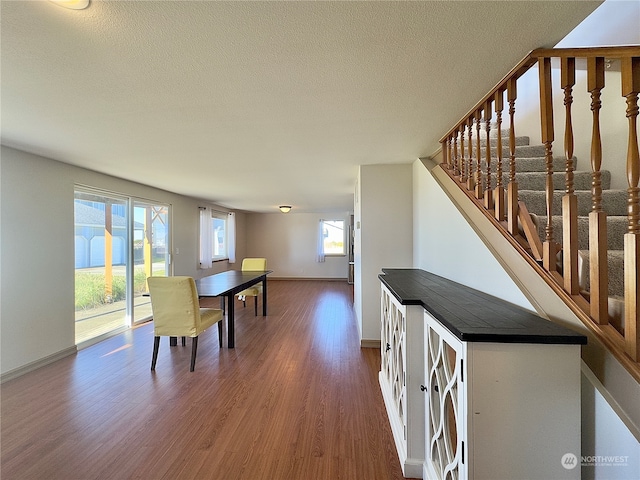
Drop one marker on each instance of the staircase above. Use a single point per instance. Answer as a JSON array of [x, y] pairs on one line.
[[559, 212], [531, 178]]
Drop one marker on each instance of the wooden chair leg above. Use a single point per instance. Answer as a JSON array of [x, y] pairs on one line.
[[194, 349], [255, 304], [173, 341], [220, 333], [154, 357], [184, 341]]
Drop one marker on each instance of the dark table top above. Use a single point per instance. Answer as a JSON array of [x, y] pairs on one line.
[[229, 282], [471, 315]]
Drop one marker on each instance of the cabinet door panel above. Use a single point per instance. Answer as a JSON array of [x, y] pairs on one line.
[[444, 402]]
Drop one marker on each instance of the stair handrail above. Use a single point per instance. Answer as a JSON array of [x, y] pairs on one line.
[[504, 205]]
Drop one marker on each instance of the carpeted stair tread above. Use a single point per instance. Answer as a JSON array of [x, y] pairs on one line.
[[614, 202], [537, 180], [493, 140], [522, 151], [616, 228], [532, 164], [615, 262]]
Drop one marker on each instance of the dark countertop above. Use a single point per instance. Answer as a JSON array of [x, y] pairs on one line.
[[471, 315]]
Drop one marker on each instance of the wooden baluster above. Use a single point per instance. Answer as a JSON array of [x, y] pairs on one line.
[[454, 170], [488, 192], [458, 155], [471, 183], [450, 156], [453, 155], [598, 269], [569, 200], [512, 186], [630, 90], [499, 191], [444, 147], [463, 162], [546, 117], [479, 189]]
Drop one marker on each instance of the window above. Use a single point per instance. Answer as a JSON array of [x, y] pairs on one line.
[[219, 235], [333, 237]]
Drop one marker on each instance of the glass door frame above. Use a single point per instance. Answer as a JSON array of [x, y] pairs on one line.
[[130, 202], [140, 202]]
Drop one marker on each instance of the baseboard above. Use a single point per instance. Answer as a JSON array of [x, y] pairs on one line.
[[370, 344], [319, 279], [29, 367]]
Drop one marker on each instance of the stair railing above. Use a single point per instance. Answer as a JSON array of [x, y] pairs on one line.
[[560, 262]]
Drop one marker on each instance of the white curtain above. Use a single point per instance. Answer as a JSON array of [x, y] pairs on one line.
[[206, 240], [321, 241], [231, 237]]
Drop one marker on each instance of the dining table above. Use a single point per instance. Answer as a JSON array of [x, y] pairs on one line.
[[228, 284]]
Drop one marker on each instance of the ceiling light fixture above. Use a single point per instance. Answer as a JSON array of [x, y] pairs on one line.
[[285, 208], [72, 4]]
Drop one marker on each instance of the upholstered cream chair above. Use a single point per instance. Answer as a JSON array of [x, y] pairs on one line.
[[255, 265], [177, 313]]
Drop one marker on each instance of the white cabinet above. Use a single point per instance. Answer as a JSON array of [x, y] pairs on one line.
[[474, 387], [500, 410], [402, 365]]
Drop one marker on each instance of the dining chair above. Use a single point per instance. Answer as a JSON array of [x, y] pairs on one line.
[[256, 265], [177, 313]]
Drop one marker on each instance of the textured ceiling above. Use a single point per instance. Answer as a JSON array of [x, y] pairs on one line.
[[255, 104]]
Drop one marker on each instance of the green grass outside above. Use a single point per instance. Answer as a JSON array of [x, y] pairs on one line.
[[90, 288]]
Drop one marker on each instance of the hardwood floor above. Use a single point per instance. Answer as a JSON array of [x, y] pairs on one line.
[[296, 399]]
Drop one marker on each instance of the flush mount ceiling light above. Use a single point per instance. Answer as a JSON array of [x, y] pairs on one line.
[[72, 4], [285, 208]]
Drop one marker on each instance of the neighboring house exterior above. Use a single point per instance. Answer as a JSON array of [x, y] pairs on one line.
[[89, 234]]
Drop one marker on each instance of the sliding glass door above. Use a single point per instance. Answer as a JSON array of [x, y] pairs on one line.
[[119, 242], [150, 252], [101, 261]]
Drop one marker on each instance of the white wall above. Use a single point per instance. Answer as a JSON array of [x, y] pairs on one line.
[[37, 278], [37, 251], [383, 237], [289, 243], [609, 450], [445, 244]]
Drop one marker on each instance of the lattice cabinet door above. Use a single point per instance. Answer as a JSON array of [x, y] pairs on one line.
[[444, 403], [393, 359], [401, 374], [499, 410]]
